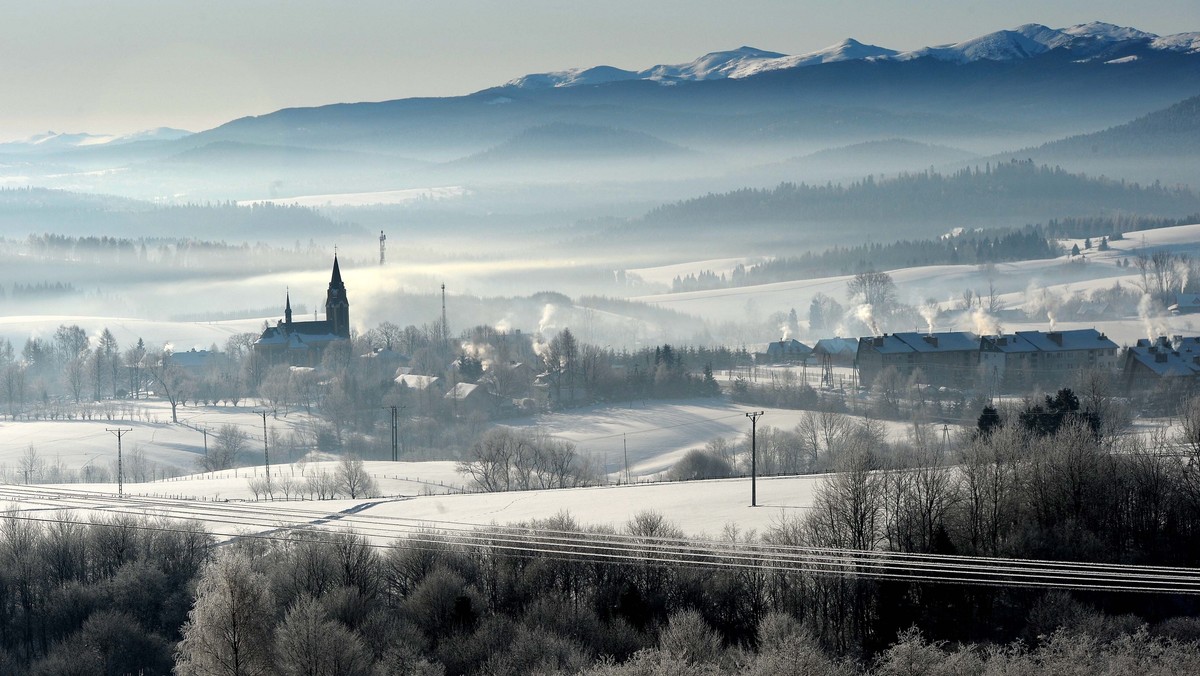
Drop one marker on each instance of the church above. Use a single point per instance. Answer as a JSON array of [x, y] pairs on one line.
[[303, 343]]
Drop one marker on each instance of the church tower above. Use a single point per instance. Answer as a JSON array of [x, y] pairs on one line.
[[337, 308], [287, 311]]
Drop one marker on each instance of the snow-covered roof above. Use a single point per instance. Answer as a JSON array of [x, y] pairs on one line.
[[1090, 308], [1160, 358], [193, 358], [836, 346], [948, 341], [416, 382], [1010, 344], [461, 391], [885, 344], [1189, 301], [1060, 341], [786, 347]]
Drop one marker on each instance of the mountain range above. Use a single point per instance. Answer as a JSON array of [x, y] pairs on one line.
[[1090, 41], [602, 136]]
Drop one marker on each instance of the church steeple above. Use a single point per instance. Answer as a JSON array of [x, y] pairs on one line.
[[337, 307], [287, 311]]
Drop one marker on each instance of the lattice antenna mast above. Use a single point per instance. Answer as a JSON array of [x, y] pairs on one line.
[[382, 239], [445, 326]]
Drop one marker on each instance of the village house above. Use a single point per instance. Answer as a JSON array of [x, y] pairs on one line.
[[1006, 362], [1152, 363], [1062, 355], [787, 351]]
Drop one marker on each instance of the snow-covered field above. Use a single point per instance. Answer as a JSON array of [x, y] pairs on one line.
[[697, 507], [655, 434]]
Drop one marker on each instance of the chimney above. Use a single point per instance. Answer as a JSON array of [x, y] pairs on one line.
[[1056, 336], [931, 339]]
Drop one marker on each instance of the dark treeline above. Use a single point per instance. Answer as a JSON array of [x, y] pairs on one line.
[[95, 599], [42, 209], [1005, 190], [170, 253]]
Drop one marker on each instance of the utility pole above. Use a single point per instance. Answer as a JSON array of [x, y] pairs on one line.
[[753, 416], [396, 432], [119, 432], [204, 431], [625, 447], [266, 453]]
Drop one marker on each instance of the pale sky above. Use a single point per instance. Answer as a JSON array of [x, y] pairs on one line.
[[128, 65]]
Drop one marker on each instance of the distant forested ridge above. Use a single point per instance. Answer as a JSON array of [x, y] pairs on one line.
[[1171, 131], [1016, 189], [26, 210]]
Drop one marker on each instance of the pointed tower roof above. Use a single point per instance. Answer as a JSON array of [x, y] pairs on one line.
[[288, 307], [336, 280]]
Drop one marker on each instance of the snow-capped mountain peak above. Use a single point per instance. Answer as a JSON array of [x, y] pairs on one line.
[[1108, 32], [713, 65], [1086, 41], [998, 46]]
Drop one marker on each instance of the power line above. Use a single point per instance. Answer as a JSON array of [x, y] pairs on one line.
[[571, 546]]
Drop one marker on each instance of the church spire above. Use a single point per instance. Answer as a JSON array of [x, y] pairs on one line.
[[337, 307], [287, 311], [335, 282]]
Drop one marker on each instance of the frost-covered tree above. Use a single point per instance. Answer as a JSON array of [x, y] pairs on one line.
[[228, 631]]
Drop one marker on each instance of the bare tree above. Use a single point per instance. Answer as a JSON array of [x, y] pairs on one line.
[[353, 479], [171, 381], [229, 443], [872, 288], [992, 305], [970, 299], [31, 465], [77, 372]]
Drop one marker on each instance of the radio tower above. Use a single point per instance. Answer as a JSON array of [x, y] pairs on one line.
[[382, 239], [445, 328]]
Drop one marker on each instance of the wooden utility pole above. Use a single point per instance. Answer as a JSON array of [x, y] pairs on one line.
[[753, 416]]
